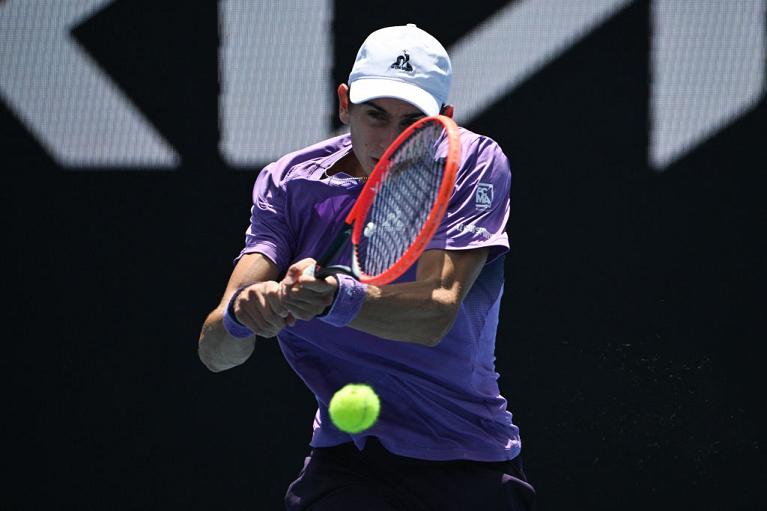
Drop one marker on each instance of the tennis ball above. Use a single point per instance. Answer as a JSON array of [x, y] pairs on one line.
[[354, 408]]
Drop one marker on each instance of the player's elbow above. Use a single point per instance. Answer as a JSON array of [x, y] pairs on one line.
[[433, 337], [446, 310], [215, 365], [208, 360], [213, 358], [431, 340]]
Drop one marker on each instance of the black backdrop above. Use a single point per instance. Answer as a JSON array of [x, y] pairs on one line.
[[630, 338]]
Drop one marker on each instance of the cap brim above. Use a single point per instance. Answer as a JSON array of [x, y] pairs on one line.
[[366, 89]]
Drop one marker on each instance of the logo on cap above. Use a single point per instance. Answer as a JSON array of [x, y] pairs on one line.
[[403, 63]]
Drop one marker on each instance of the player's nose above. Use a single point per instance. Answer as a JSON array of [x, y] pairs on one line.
[[390, 133]]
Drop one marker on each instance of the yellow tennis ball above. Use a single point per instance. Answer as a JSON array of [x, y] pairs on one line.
[[354, 408]]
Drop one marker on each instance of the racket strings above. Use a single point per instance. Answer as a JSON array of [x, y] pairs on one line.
[[403, 201]]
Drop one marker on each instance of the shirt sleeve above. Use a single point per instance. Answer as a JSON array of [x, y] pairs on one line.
[[479, 207], [269, 232]]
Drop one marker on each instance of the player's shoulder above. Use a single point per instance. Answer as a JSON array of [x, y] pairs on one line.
[[481, 150], [476, 143], [303, 163]]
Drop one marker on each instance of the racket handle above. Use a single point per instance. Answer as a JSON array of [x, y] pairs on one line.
[[316, 272], [320, 272]]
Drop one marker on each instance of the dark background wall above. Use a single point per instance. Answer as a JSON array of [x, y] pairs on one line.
[[631, 333]]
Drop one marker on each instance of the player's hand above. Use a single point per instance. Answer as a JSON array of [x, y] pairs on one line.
[[261, 308], [306, 297]]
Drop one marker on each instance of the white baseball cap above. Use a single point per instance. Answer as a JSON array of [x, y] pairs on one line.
[[402, 62]]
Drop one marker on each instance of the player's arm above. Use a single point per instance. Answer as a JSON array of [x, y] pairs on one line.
[[419, 312], [422, 311], [258, 307]]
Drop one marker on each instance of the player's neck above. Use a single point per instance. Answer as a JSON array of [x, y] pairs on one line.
[[348, 165]]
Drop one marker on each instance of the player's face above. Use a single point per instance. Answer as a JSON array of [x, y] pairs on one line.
[[374, 125]]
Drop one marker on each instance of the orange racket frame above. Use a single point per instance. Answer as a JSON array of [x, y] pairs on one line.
[[435, 216]]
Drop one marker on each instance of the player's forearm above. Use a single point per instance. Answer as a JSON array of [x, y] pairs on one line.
[[217, 349], [419, 312]]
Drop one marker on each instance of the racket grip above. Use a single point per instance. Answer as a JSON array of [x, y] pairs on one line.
[[319, 272], [316, 272]]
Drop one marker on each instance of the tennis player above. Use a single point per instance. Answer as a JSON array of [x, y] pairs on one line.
[[444, 439]]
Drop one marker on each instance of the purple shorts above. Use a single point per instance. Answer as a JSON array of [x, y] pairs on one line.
[[343, 478]]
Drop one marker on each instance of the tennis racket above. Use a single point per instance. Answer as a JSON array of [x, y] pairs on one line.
[[401, 205]]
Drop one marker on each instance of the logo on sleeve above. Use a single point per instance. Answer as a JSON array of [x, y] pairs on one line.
[[483, 199], [473, 229]]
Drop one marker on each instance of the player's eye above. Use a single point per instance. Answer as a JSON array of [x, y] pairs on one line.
[[376, 115], [407, 122]]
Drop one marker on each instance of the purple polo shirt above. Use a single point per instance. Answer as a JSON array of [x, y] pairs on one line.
[[438, 403]]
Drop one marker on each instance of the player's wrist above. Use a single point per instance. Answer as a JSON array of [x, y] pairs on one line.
[[336, 287], [231, 324], [347, 303]]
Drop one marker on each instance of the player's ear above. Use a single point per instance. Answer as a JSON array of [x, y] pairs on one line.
[[343, 103], [447, 111]]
